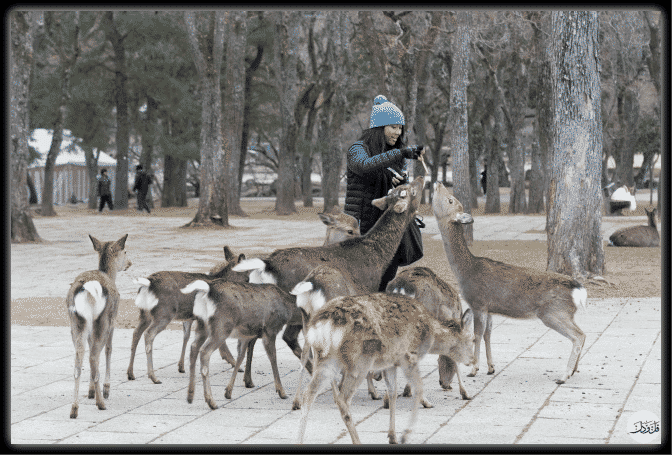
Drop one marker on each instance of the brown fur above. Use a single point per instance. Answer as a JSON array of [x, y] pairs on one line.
[[111, 258], [638, 236]]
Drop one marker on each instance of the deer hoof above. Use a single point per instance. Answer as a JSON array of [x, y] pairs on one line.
[[74, 411], [101, 406], [473, 372], [407, 391], [296, 406], [131, 376], [228, 393], [92, 394], [180, 368], [212, 404], [282, 394], [249, 385], [155, 380], [426, 404], [491, 370], [392, 438], [106, 390]]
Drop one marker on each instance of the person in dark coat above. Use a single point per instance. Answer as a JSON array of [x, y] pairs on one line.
[[104, 191], [375, 164], [141, 187]]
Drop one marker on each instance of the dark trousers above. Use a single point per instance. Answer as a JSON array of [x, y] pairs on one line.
[[105, 199], [142, 202]]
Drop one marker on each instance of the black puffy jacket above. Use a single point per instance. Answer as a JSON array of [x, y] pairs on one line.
[[368, 179]]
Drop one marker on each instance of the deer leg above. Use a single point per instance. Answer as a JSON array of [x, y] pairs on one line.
[[226, 355], [317, 382], [446, 367], [351, 380], [486, 338], [371, 387], [413, 376], [79, 357], [201, 335], [186, 333], [143, 323], [247, 377], [242, 348], [212, 343], [390, 376], [269, 346], [478, 334], [108, 361], [291, 337], [297, 396], [154, 329], [564, 324], [94, 361]]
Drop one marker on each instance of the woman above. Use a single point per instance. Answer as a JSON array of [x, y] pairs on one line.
[[379, 149]]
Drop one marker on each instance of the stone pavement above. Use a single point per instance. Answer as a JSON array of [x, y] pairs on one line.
[[619, 372]]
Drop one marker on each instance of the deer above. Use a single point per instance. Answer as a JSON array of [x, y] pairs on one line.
[[322, 284], [379, 331], [640, 236], [366, 256], [160, 302], [340, 226], [443, 302], [241, 310], [93, 302], [493, 287]]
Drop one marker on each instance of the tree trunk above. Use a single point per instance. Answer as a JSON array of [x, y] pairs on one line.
[[574, 220], [379, 70], [120, 98], [206, 31], [47, 206], [22, 27], [92, 172], [458, 117], [234, 105], [492, 202], [628, 119], [148, 139], [285, 61], [32, 199], [174, 182]]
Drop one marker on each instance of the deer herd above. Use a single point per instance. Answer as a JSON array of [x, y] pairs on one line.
[[329, 293]]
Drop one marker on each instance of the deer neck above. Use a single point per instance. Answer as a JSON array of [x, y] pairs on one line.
[[652, 220], [107, 267], [457, 252], [387, 232]]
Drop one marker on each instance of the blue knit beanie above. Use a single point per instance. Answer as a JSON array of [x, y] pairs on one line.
[[385, 113]]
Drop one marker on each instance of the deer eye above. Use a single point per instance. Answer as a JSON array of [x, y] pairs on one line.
[[350, 231], [403, 193]]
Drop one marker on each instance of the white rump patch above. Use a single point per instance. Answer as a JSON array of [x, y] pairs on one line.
[[310, 301], [84, 307], [198, 285], [204, 308], [249, 264], [262, 277], [146, 299], [580, 297], [141, 281], [302, 287], [323, 335]]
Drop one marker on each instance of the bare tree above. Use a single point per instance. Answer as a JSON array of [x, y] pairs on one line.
[[234, 104], [64, 38], [285, 66], [206, 32], [22, 28], [380, 70], [575, 214], [459, 137]]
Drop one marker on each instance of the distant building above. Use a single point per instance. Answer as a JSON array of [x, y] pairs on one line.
[[70, 175]]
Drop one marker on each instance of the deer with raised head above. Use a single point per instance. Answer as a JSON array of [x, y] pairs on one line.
[[641, 236], [364, 258], [443, 302], [93, 301], [340, 226], [379, 331], [240, 310], [160, 301], [492, 287]]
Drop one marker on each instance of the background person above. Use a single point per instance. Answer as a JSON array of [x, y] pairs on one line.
[[104, 191], [141, 187]]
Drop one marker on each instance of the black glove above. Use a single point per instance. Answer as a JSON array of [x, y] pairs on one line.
[[412, 152]]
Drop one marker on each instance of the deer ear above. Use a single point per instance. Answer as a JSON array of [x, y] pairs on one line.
[[380, 203], [96, 243], [228, 254], [122, 242], [401, 206], [326, 218], [241, 257]]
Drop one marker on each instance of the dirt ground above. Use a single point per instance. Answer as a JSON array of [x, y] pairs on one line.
[[634, 272]]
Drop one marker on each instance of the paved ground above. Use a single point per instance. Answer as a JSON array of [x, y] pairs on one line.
[[619, 373]]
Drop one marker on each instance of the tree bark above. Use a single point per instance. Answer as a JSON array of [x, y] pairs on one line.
[[574, 219], [206, 31], [174, 182], [492, 201], [92, 172], [285, 61], [380, 73], [458, 117], [122, 133], [234, 105], [22, 27]]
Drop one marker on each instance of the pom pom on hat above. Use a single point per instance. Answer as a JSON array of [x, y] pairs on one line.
[[385, 113]]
